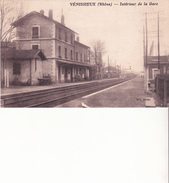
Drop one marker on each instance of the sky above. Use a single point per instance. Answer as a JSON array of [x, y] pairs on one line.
[[119, 27]]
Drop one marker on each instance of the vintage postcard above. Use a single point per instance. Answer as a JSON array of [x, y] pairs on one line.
[[109, 56], [85, 54]]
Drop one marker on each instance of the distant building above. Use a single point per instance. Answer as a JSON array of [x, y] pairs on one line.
[[152, 66], [110, 71], [66, 58]]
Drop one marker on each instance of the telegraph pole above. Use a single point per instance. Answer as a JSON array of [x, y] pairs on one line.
[[146, 60], [115, 68], [158, 47]]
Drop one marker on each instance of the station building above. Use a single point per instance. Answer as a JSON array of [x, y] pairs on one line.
[[60, 55], [152, 66]]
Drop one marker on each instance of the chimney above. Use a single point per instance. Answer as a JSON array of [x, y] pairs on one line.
[[62, 19], [42, 12], [77, 39], [51, 14]]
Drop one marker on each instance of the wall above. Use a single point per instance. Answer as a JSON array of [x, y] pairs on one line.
[[81, 49], [49, 43], [46, 41], [25, 71], [63, 30], [36, 71], [25, 28], [63, 46], [153, 67]]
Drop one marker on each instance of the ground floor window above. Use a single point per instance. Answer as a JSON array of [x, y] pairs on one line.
[[16, 69], [62, 70]]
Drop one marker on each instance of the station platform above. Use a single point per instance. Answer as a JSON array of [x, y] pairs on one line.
[[23, 89], [128, 94]]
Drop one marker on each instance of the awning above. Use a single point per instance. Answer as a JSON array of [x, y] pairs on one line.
[[13, 54], [74, 63]]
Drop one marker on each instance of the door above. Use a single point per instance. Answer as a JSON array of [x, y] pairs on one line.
[[59, 77], [65, 74]]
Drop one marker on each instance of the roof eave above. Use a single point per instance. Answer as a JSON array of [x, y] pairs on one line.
[[15, 24]]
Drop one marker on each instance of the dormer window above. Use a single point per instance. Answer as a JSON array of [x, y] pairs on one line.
[[35, 31]]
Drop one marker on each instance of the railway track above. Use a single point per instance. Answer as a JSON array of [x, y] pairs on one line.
[[56, 96]]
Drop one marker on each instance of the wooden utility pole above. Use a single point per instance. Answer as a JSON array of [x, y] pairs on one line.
[[145, 57], [115, 66], [144, 46], [158, 47]]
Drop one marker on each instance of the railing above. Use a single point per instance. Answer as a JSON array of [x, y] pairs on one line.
[[162, 87]]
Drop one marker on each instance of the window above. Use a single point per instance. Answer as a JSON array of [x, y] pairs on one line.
[[65, 52], [59, 49], [71, 54], [16, 69], [35, 47], [65, 36], [76, 56], [71, 39], [35, 32], [60, 37], [84, 57], [81, 57]]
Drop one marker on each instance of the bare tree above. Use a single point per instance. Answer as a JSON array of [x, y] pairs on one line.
[[98, 50], [10, 12]]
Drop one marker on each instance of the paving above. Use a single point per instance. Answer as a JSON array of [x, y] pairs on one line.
[[127, 94], [23, 89]]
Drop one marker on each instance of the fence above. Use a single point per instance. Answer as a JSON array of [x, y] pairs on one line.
[[162, 87]]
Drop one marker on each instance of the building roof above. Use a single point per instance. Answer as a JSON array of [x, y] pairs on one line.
[[77, 42], [14, 54], [154, 59], [18, 22]]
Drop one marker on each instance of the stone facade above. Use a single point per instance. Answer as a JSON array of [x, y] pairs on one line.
[[57, 43]]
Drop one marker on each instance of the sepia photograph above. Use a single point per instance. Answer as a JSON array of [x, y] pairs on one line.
[[84, 54], [110, 57]]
